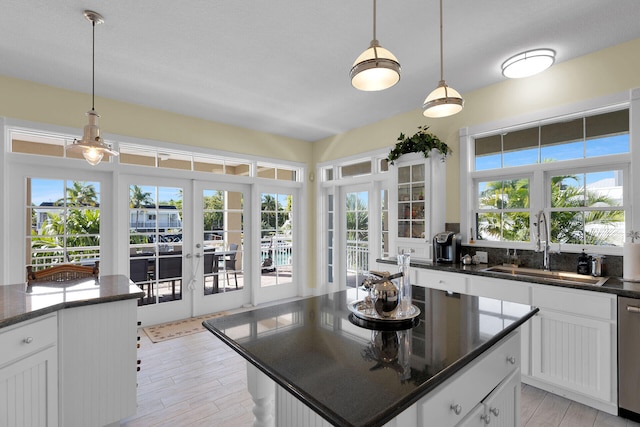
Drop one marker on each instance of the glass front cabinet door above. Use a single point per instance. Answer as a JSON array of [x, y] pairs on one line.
[[421, 199]]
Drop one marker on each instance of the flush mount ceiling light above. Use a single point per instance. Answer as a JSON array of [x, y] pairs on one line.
[[92, 145], [376, 68], [528, 63], [443, 101]]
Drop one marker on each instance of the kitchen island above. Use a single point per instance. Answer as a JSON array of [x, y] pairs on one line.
[[330, 367], [68, 352]]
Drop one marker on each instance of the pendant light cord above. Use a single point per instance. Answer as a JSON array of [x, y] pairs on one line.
[[441, 55], [93, 67], [374, 19]]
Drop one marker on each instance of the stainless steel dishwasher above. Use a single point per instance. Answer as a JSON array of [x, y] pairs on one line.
[[629, 358]]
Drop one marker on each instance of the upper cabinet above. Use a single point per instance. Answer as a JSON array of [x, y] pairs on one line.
[[420, 191], [411, 180]]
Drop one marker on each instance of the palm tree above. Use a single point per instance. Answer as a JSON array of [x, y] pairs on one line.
[[80, 194], [269, 208], [138, 199], [507, 194], [569, 226], [213, 215], [566, 226]]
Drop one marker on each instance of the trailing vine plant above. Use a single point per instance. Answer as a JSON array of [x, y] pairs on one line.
[[421, 142]]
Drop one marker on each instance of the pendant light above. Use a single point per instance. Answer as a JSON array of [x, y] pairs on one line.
[[376, 68], [92, 145], [443, 101]]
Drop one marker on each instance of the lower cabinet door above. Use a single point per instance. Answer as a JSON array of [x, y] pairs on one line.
[[501, 408], [475, 418], [29, 391], [573, 352]]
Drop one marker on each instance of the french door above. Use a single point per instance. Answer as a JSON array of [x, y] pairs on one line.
[[279, 236], [219, 258], [159, 245]]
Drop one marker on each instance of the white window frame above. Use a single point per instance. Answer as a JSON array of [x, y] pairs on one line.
[[628, 162]]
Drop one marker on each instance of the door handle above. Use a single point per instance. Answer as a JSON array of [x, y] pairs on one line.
[[632, 309]]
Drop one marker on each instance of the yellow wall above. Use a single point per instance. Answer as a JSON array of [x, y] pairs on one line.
[[46, 104], [608, 71]]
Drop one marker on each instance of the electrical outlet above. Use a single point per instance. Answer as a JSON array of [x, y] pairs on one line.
[[483, 257]]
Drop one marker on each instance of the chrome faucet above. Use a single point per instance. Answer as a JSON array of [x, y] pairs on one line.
[[541, 217]]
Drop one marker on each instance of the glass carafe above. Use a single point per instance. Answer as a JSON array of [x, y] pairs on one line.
[[404, 285]]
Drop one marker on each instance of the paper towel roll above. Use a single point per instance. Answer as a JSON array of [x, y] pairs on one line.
[[631, 261]]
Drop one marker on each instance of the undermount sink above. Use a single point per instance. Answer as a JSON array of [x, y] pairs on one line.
[[552, 276]]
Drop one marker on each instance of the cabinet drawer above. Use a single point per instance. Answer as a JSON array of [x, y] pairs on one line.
[[444, 281], [508, 290], [471, 385], [573, 301], [28, 337]]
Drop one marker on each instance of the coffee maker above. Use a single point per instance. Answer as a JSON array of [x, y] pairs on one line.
[[446, 247]]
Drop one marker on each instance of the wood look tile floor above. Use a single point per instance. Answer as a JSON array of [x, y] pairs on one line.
[[197, 380]]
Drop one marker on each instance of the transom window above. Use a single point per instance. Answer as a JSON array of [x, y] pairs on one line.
[[581, 138]]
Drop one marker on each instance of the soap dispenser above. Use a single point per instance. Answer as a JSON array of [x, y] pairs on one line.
[[584, 263]]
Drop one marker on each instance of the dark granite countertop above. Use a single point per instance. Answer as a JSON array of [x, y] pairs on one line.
[[17, 303], [356, 376], [613, 285]]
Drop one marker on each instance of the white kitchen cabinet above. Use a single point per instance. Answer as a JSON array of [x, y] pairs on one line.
[[98, 363], [499, 409], [452, 282], [492, 379], [29, 373], [459, 398], [574, 345], [508, 290], [420, 192]]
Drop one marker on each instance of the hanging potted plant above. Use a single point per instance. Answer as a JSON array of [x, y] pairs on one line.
[[421, 142]]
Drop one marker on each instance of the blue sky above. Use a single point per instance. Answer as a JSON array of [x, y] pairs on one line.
[[575, 150], [52, 190]]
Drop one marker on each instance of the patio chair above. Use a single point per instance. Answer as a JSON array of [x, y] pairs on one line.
[[230, 263], [170, 268]]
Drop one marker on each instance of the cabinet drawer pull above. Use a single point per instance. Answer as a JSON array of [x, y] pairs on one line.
[[456, 408], [511, 360], [28, 340], [486, 418], [632, 309], [495, 411]]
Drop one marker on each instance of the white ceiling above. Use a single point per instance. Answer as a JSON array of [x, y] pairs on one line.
[[282, 66]]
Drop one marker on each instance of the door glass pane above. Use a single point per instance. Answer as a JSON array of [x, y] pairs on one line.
[[65, 222], [155, 242], [330, 242], [223, 227], [384, 226], [357, 230], [276, 238]]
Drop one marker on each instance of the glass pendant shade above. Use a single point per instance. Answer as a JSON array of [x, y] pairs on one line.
[[92, 145], [443, 101], [528, 63], [375, 69]]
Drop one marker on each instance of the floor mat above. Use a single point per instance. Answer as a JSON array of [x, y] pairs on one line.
[[179, 328]]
